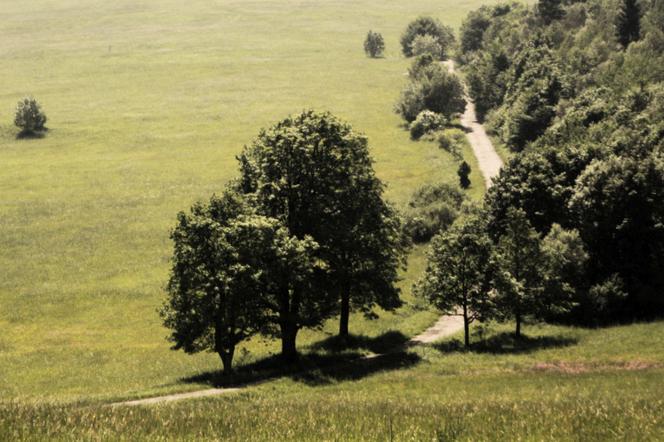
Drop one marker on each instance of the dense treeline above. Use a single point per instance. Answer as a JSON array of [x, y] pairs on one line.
[[575, 90]]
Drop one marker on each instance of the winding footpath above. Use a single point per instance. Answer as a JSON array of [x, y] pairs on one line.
[[489, 164]]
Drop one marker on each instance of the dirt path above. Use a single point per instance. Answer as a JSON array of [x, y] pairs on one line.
[[487, 157], [177, 397], [490, 164]]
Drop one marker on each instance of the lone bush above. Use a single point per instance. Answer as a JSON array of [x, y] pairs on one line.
[[29, 116], [426, 122], [464, 173], [443, 35], [374, 45]]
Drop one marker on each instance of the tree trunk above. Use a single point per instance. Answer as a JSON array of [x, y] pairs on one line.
[[518, 325], [466, 327], [345, 313], [288, 338], [227, 360], [224, 344]]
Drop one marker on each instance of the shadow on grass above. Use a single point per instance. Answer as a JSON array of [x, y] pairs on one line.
[[507, 343], [321, 368], [380, 344], [31, 135]]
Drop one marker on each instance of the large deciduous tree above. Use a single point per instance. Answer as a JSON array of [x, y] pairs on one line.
[[234, 273], [315, 174], [458, 278], [214, 297]]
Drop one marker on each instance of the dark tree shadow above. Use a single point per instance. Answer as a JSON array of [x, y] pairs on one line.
[[386, 342], [321, 368], [31, 135], [460, 127], [507, 343]]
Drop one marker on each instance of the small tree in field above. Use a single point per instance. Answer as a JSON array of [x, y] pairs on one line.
[[458, 274], [464, 174], [374, 45], [29, 116]]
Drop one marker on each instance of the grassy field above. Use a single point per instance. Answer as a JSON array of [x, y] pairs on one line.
[[148, 103], [558, 384]]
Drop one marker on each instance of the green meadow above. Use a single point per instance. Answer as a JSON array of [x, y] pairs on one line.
[[148, 104]]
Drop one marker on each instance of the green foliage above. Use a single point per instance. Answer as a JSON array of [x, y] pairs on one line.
[[226, 281], [628, 22], [535, 85], [617, 203], [464, 173], [519, 260], [565, 259], [458, 276], [374, 45], [550, 10], [315, 174], [420, 63], [472, 30], [425, 123], [433, 208], [427, 45], [29, 116], [434, 89], [443, 35]]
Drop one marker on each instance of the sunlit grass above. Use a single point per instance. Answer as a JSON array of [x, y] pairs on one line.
[[148, 104]]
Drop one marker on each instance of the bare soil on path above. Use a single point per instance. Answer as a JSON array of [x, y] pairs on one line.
[[447, 325]]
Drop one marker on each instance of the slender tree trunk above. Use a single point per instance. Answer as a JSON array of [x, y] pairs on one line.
[[288, 339], [345, 312], [466, 327], [518, 325]]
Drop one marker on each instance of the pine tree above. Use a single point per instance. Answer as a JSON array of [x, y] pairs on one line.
[[628, 22]]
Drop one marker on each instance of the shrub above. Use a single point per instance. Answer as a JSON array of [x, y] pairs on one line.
[[374, 45], [449, 143], [464, 172], [427, 44], [420, 63], [426, 122], [434, 89], [427, 26], [29, 116], [431, 209]]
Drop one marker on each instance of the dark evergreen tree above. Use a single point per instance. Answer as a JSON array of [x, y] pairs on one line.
[[464, 173], [628, 22]]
